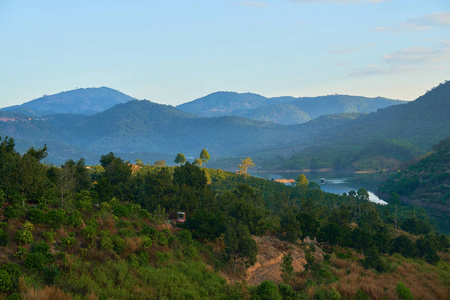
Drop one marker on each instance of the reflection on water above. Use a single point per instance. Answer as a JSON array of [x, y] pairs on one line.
[[335, 183]]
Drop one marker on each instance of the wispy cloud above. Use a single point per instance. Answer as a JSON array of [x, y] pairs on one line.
[[409, 60], [251, 3], [351, 50], [431, 20], [340, 1]]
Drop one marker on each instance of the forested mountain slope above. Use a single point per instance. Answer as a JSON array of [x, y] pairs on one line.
[[385, 138], [282, 110], [80, 101]]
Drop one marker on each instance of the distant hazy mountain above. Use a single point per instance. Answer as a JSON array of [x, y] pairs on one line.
[[80, 101], [282, 110], [223, 104], [384, 138]]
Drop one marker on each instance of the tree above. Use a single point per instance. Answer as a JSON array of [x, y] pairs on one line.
[[198, 162], [160, 163], [245, 165], [180, 159], [302, 181], [287, 270], [239, 244], [204, 156]]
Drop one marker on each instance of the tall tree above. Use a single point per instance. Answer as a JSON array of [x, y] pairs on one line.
[[204, 156], [239, 244], [245, 165], [180, 159], [302, 181], [287, 270]]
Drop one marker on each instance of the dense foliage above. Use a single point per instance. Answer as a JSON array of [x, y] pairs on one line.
[[102, 232]]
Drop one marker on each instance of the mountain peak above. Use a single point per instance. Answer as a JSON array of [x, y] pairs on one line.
[[85, 101]]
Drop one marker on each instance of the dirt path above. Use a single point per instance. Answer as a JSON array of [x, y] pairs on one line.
[[270, 255]]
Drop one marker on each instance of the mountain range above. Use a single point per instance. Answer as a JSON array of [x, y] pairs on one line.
[[145, 129], [282, 110]]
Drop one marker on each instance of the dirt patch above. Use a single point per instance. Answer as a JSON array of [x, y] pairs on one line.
[[270, 254]]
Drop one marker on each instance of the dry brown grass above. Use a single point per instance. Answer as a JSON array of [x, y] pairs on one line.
[[47, 293], [421, 278], [108, 224], [132, 244]]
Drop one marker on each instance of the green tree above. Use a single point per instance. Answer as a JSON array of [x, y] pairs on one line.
[[239, 245], [180, 159], [204, 156], [245, 165], [302, 181], [287, 270]]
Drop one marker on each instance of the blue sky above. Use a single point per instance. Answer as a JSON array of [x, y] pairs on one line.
[[176, 51]]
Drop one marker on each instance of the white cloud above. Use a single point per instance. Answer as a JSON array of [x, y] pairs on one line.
[[427, 21], [411, 59], [340, 1], [251, 3]]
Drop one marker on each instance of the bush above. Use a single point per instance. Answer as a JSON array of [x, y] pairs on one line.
[[56, 218], [35, 261], [121, 211], [403, 291], [149, 231], [20, 253], [75, 219], [106, 243], [68, 241], [24, 237], [268, 290], [118, 244], [28, 226], [190, 252], [5, 281], [163, 257], [89, 232], [146, 242], [49, 236], [37, 216], [39, 247], [13, 212], [4, 238], [50, 273]]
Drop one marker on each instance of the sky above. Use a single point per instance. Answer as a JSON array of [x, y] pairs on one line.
[[173, 52]]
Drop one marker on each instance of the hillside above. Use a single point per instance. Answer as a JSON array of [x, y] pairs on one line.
[[87, 101], [382, 139], [109, 232], [426, 184], [282, 110]]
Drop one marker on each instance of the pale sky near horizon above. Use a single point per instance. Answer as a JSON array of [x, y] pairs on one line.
[[173, 52]]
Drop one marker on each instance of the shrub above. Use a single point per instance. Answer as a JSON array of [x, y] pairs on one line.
[[75, 219], [39, 247], [4, 238], [5, 281], [50, 273], [56, 218], [89, 232], [49, 236], [118, 244], [163, 257], [185, 237], [190, 252], [121, 211], [146, 242], [20, 253], [24, 237], [13, 212], [144, 214], [28, 226], [106, 243], [149, 231], [37, 216], [125, 232], [35, 261], [403, 291], [268, 290], [68, 241]]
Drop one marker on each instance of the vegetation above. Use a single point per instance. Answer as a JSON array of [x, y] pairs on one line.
[[109, 238]]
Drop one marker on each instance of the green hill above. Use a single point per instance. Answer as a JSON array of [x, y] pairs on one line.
[[80, 101], [382, 139]]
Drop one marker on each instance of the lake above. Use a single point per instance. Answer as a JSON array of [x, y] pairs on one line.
[[335, 182]]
